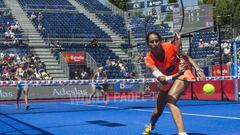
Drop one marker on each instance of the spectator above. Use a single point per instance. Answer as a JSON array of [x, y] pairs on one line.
[[227, 50], [16, 42], [51, 46], [201, 44], [17, 26], [40, 16], [76, 75], [7, 35], [40, 27], [238, 36], [226, 44], [94, 43], [12, 26], [84, 75], [213, 42], [33, 16], [132, 75], [139, 57], [10, 62], [42, 66], [11, 33], [109, 61], [129, 52]]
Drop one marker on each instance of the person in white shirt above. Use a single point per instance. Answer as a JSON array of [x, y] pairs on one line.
[[201, 44]]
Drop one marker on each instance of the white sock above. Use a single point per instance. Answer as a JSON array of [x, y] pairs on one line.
[[182, 133]]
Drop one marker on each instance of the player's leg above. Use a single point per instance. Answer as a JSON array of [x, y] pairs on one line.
[[173, 95], [94, 91], [19, 92], [26, 93], [160, 105], [103, 92]]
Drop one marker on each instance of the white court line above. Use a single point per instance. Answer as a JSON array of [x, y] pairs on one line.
[[166, 112]]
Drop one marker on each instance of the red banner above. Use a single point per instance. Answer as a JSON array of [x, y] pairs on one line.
[[71, 57], [216, 70]]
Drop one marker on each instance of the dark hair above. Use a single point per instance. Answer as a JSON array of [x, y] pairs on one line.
[[155, 33]]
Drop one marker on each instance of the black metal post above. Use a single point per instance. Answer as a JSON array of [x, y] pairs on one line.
[[129, 39], [220, 58], [190, 54]]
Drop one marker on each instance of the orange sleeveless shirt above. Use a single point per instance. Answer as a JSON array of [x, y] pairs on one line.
[[169, 65]]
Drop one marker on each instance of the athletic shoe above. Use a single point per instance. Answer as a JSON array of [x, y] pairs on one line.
[[26, 107], [182, 133], [148, 129], [17, 106]]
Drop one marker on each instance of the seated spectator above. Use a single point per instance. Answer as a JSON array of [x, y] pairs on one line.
[[37, 75], [51, 46], [139, 57], [1, 27], [33, 16], [40, 27], [42, 66], [11, 33], [45, 75], [7, 35], [94, 43], [226, 44], [201, 44], [109, 61], [17, 26], [227, 50], [129, 52], [76, 76], [12, 26], [238, 37], [40, 16], [84, 75], [213, 42], [11, 61], [132, 75]]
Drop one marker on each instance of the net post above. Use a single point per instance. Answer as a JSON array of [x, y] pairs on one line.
[[235, 65]]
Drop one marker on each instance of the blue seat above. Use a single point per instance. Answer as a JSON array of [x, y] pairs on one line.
[[47, 4], [93, 5]]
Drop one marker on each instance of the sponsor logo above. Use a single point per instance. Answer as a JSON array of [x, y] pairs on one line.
[[72, 93], [77, 58], [5, 94], [126, 86]]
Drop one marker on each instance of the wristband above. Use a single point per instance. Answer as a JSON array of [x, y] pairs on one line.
[[169, 78], [156, 73]]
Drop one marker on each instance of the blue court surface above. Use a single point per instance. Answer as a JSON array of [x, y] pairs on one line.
[[119, 117]]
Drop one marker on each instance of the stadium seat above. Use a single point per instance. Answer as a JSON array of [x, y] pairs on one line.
[[93, 5], [68, 25], [115, 22], [46, 4]]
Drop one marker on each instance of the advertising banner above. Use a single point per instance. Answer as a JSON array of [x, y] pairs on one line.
[[126, 87], [154, 3], [72, 57], [48, 92], [216, 70]]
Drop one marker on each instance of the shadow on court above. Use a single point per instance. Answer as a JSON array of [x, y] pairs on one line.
[[155, 134], [19, 127]]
